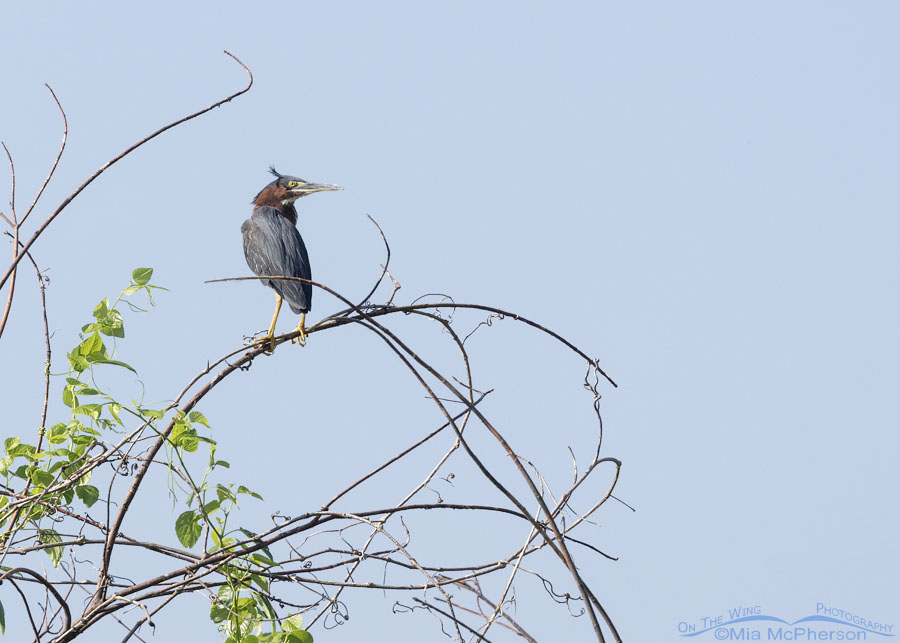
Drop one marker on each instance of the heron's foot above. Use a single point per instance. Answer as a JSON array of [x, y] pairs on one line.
[[301, 340], [270, 336], [270, 339]]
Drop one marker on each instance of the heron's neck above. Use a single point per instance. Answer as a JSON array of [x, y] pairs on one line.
[[273, 198], [289, 212]]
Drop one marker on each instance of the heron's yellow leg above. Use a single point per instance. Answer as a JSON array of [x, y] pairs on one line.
[[302, 328], [270, 336]]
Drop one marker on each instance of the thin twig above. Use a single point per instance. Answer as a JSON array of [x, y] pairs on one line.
[[62, 147], [116, 159], [40, 579]]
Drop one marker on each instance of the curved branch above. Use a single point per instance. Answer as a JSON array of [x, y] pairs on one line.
[[339, 319], [15, 235], [59, 154], [384, 268], [101, 605], [37, 635], [117, 158], [548, 525], [43, 581], [396, 345]]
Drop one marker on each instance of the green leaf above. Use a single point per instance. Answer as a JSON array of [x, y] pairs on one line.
[[243, 489], [218, 612], [91, 410], [41, 478], [187, 528], [293, 624], [151, 413], [300, 636], [198, 418], [114, 409], [183, 437], [265, 607], [255, 537], [11, 443], [211, 507], [142, 276], [2, 620], [55, 553], [101, 309], [225, 594], [57, 433], [82, 441], [262, 561], [5, 463], [35, 512], [177, 431], [21, 449], [88, 494], [68, 397], [112, 324], [77, 362], [225, 493], [189, 440], [263, 584], [93, 344], [112, 362]]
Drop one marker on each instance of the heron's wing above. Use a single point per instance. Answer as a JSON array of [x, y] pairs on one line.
[[273, 246]]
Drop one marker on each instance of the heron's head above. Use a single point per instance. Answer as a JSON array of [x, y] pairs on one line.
[[284, 190]]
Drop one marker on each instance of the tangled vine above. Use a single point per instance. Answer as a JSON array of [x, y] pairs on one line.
[[66, 493]]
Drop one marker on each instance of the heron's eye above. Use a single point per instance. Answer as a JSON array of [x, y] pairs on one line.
[[292, 184]]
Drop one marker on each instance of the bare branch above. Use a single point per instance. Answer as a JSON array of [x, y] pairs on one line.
[[116, 159], [62, 147], [40, 579], [302, 563]]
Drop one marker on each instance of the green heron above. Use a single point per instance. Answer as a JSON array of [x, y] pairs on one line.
[[273, 246]]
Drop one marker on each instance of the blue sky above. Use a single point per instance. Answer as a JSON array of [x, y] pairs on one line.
[[703, 194]]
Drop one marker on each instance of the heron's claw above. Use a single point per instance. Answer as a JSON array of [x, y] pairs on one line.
[[301, 340], [271, 341]]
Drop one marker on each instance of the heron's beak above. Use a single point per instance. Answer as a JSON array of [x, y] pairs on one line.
[[309, 188]]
